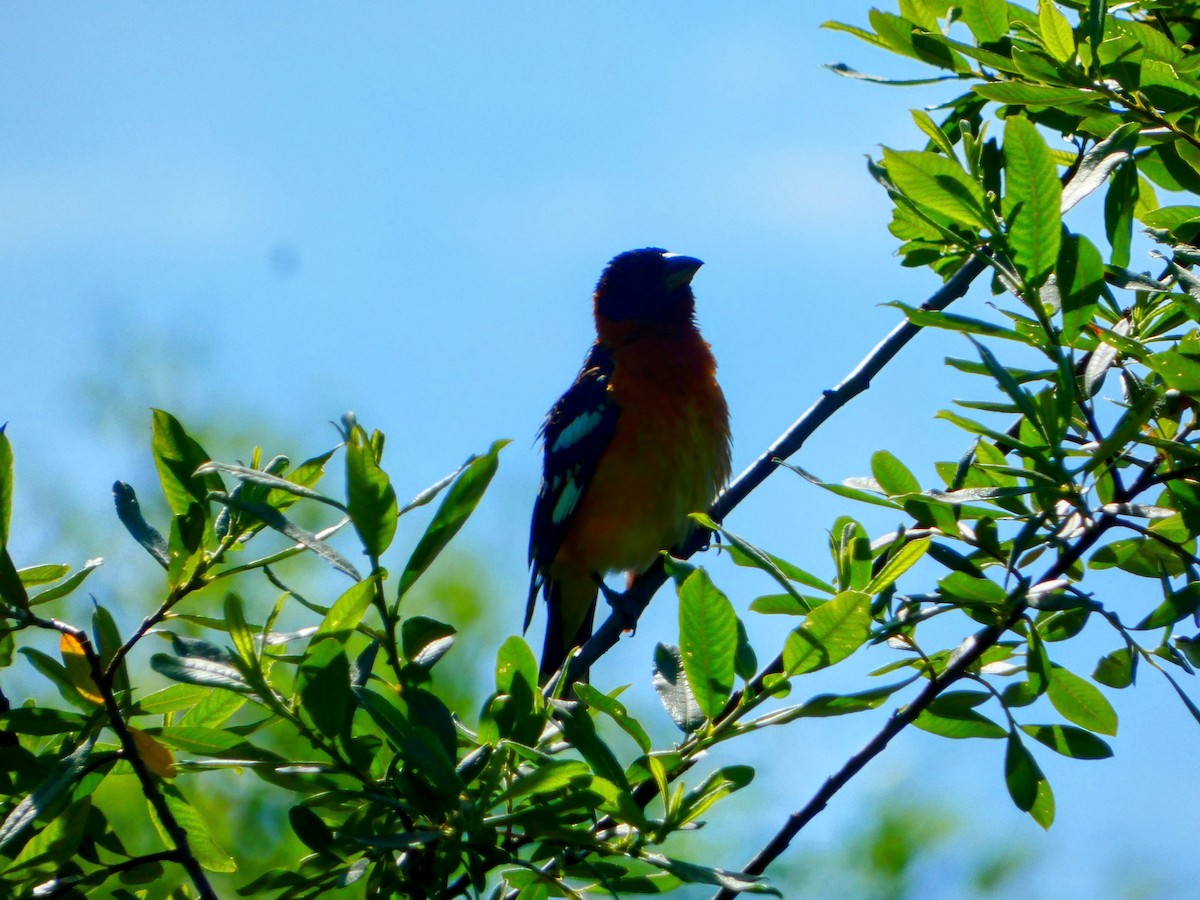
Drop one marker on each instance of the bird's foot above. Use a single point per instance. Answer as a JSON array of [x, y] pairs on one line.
[[627, 605]]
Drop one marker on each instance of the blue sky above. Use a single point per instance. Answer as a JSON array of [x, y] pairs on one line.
[[259, 216]]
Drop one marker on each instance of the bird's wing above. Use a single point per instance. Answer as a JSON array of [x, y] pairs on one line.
[[575, 435]]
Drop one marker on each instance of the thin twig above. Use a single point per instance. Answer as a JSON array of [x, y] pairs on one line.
[[134, 862]]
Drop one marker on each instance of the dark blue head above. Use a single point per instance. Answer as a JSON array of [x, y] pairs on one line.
[[649, 285]]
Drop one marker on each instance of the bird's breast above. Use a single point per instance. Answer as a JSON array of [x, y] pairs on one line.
[[668, 456]]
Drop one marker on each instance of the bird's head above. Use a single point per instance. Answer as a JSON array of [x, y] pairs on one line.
[[645, 290]]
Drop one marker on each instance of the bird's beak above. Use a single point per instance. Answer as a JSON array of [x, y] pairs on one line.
[[680, 269]]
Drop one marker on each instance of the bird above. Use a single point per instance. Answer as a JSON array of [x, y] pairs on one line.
[[639, 441]]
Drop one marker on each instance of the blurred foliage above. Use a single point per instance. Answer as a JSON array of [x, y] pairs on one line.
[[399, 775]]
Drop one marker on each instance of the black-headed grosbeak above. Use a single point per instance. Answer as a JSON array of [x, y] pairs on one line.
[[639, 441]]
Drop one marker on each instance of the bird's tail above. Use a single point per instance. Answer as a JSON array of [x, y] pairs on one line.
[[572, 607]]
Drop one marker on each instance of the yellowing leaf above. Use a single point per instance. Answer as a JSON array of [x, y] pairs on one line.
[[78, 669], [158, 759]]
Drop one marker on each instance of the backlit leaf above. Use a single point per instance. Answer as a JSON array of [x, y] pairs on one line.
[[1032, 201], [1081, 702], [707, 641], [937, 184], [458, 504], [829, 633]]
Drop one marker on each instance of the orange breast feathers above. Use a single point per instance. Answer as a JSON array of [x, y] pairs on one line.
[[668, 457]]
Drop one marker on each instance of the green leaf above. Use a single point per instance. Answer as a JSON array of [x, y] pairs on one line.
[[42, 720], [1080, 283], [56, 673], [580, 731], [745, 660], [1007, 383], [60, 779], [35, 576], [6, 486], [826, 705], [68, 586], [612, 708], [718, 784], [56, 843], [1081, 702], [671, 684], [11, 589], [458, 504], [899, 35], [1018, 93], [949, 720], [1062, 624], [323, 683], [937, 184], [239, 631], [1037, 672], [108, 639], [1069, 741], [200, 840], [697, 874], [1168, 86], [987, 19], [745, 553], [780, 605], [1138, 556], [551, 776], [851, 548], [1032, 201], [1098, 163], [1056, 31], [213, 709], [425, 641], [515, 663], [707, 641], [215, 742], [936, 135], [1027, 785], [420, 748], [197, 670], [130, 514], [1095, 22], [279, 484], [279, 522], [1116, 670], [963, 588], [928, 318], [185, 546], [899, 563], [1170, 218], [171, 699], [829, 633], [893, 476], [1119, 205], [370, 497], [1178, 605], [311, 829], [347, 611], [177, 456]]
